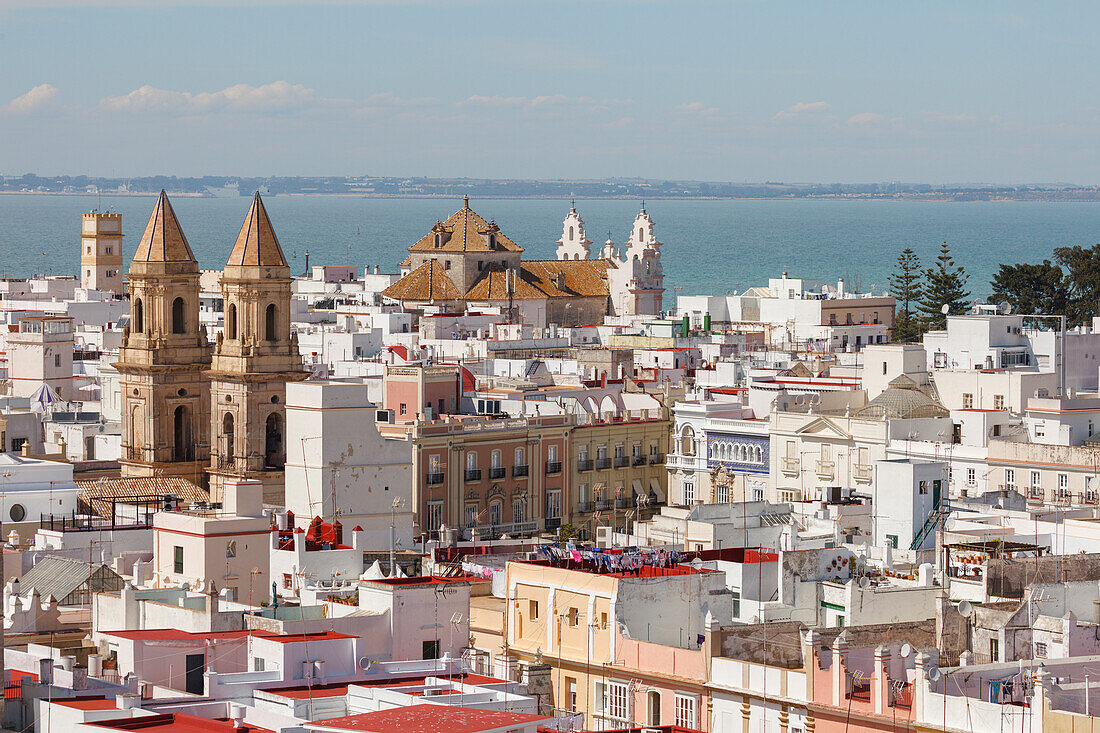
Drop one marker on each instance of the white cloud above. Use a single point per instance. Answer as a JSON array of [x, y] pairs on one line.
[[544, 102], [801, 108], [279, 95], [42, 97], [695, 108], [865, 118]]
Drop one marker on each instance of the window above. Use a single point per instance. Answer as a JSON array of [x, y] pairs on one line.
[[893, 540], [139, 320], [519, 511], [518, 459], [435, 515], [1036, 480], [616, 701], [689, 492], [178, 319], [998, 402], [971, 477], [430, 649], [922, 487], [533, 609], [1040, 429], [404, 408], [552, 453], [57, 360], [494, 459], [288, 581], [571, 685], [269, 323], [687, 442], [968, 401], [574, 617], [257, 664], [553, 504], [685, 711], [471, 461], [1010, 478], [722, 493], [446, 264], [995, 650], [1040, 650], [471, 515], [177, 564]]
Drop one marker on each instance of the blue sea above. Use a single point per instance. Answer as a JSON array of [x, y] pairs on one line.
[[710, 246]]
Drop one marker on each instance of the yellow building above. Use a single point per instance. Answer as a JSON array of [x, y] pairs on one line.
[[617, 466], [624, 649]]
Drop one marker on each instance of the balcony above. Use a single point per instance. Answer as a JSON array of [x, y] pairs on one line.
[[1035, 494], [825, 469], [519, 471], [553, 524], [434, 478], [621, 461], [638, 461], [861, 472], [656, 458], [584, 464], [602, 464], [603, 504], [622, 502], [584, 507], [512, 529], [791, 466], [473, 474], [553, 467], [497, 472]]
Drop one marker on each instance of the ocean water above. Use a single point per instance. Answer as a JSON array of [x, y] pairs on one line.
[[709, 246]]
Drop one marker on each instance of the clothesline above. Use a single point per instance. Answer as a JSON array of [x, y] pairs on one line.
[[618, 560]]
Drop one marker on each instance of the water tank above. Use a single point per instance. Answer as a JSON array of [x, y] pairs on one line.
[[924, 575]]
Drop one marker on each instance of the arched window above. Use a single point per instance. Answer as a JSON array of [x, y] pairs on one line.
[[273, 441], [231, 321], [759, 454], [182, 449], [139, 316], [227, 436], [518, 461], [269, 322], [570, 232], [654, 707], [687, 441], [494, 459], [641, 235], [178, 320]]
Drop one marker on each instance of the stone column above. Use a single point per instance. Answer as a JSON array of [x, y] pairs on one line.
[[880, 683]]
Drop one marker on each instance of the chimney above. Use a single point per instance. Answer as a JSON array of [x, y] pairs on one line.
[[128, 701]]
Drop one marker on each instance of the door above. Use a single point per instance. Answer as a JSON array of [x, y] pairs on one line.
[[195, 665]]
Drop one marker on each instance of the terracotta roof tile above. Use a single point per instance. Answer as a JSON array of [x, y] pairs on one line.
[[465, 231], [97, 493], [426, 283], [163, 240], [257, 244]]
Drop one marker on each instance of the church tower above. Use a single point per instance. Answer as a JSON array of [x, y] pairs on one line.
[[573, 244], [101, 252], [164, 354], [643, 259], [254, 357]]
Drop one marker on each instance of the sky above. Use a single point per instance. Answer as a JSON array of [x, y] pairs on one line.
[[735, 90]]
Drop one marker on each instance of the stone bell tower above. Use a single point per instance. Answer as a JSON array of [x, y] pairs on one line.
[[573, 245], [254, 357], [163, 358]]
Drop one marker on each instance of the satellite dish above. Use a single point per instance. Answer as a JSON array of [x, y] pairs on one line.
[[965, 608], [905, 650], [696, 563], [365, 664], [864, 582], [1006, 307], [934, 674], [945, 309]]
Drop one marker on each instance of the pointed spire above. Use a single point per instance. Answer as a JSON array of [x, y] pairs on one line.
[[163, 240], [257, 244], [466, 201]]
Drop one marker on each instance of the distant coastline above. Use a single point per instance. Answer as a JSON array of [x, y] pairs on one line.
[[373, 187], [1061, 196]]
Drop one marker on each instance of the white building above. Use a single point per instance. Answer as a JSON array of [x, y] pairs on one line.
[[339, 465]]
